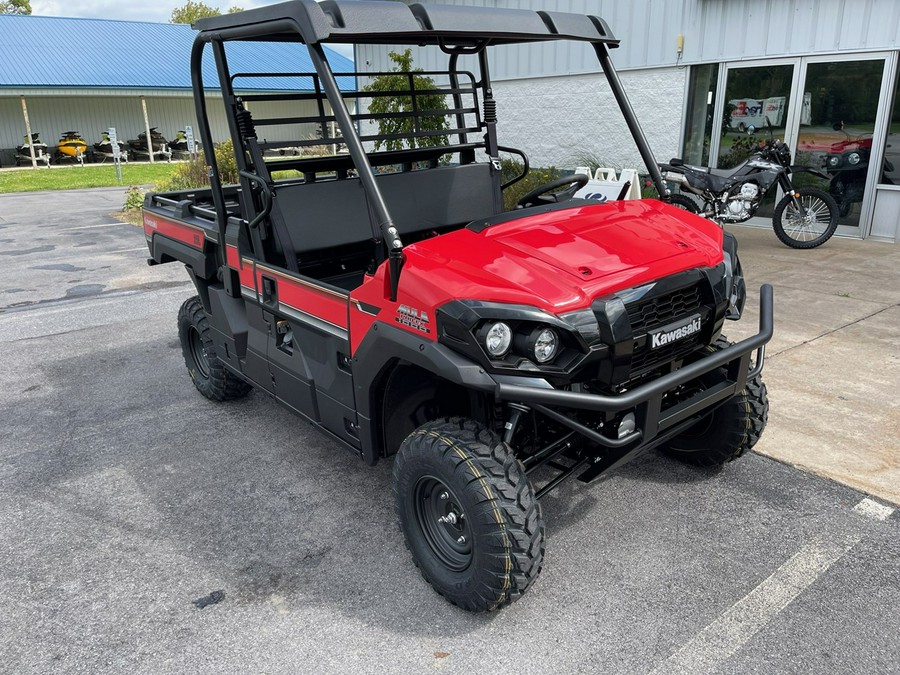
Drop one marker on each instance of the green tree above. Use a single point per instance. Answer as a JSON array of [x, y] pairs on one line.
[[15, 7], [193, 10], [405, 124]]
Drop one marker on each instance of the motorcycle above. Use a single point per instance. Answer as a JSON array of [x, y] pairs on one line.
[[41, 152], [848, 164], [104, 148], [804, 217], [71, 146], [158, 143]]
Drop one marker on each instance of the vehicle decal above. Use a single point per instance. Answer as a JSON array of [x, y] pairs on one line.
[[413, 318], [312, 320], [191, 235], [308, 298], [365, 308]]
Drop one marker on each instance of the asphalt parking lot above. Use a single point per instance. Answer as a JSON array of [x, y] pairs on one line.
[[126, 498]]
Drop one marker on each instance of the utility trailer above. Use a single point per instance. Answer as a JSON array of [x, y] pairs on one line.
[[389, 299]]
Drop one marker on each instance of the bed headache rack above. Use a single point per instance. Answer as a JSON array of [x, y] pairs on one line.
[[462, 117]]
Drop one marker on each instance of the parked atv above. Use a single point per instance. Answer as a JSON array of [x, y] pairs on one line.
[[387, 298]]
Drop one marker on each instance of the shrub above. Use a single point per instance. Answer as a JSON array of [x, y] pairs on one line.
[[535, 177], [134, 199], [192, 173]]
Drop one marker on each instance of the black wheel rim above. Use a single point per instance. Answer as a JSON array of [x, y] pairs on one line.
[[443, 523], [198, 352]]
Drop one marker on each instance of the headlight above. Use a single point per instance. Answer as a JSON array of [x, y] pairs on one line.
[[853, 158], [498, 339], [546, 344], [833, 161]]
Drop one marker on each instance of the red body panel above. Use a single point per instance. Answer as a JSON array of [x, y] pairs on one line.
[[558, 261], [174, 229], [307, 298]]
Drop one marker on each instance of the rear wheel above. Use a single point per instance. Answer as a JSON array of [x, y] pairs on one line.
[[805, 218], [727, 432], [470, 517], [682, 202], [210, 377]]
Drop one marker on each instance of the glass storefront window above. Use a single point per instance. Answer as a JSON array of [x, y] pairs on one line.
[[701, 102], [839, 110], [756, 107], [890, 174]]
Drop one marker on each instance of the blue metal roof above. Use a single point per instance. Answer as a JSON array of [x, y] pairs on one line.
[[57, 52]]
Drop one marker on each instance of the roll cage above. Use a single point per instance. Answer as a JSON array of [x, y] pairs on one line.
[[456, 30]]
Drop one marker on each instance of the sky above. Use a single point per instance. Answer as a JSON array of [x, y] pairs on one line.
[[159, 11], [128, 10]]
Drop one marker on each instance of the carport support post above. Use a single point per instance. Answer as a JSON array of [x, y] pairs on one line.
[[147, 127], [28, 132]]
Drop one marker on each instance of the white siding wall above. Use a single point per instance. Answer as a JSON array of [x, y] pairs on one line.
[[556, 119], [714, 30], [91, 113]]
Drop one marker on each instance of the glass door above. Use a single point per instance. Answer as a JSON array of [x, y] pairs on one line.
[[755, 107], [836, 130]]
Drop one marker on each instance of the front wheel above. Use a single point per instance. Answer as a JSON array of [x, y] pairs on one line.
[[805, 218], [470, 517], [730, 430]]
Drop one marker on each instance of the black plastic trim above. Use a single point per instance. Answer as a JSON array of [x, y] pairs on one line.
[[163, 249]]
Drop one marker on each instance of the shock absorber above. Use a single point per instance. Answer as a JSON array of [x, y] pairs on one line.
[[516, 410]]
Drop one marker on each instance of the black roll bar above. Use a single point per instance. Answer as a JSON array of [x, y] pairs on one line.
[[615, 84], [383, 227]]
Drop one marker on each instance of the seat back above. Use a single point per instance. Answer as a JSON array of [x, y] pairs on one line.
[[334, 213]]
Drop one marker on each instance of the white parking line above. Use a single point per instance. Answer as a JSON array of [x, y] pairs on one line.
[[745, 618], [91, 227], [872, 509]]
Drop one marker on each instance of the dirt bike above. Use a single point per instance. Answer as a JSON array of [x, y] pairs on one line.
[[847, 165], [804, 218]]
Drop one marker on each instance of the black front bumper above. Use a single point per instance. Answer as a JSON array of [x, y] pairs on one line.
[[653, 424]]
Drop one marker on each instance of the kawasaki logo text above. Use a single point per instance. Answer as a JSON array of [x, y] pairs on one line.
[[667, 335]]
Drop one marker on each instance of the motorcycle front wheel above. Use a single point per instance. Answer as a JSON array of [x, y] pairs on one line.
[[805, 218]]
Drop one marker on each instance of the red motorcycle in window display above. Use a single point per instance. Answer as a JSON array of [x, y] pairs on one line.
[[847, 165]]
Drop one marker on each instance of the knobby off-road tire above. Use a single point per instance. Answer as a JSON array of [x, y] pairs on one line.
[[210, 377], [727, 432], [795, 232], [468, 513], [682, 202]]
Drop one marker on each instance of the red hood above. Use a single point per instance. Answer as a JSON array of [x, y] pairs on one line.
[[561, 260]]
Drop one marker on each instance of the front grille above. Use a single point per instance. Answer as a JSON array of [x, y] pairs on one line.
[[656, 312], [663, 309], [646, 358]]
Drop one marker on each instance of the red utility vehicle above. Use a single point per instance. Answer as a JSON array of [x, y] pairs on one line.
[[388, 298]]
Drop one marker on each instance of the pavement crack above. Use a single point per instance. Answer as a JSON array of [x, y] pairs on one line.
[[832, 331]]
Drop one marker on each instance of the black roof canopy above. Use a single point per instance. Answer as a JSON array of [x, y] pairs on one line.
[[377, 21]]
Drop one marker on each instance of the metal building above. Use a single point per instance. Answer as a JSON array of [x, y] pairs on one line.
[[701, 75], [91, 74]]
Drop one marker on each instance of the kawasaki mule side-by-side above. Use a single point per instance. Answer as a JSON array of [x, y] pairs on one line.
[[386, 296]]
